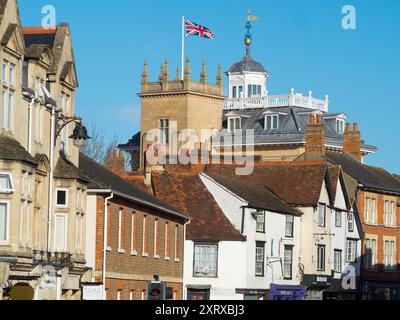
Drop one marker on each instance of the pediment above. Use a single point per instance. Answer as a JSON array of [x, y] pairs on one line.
[[13, 39], [68, 74]]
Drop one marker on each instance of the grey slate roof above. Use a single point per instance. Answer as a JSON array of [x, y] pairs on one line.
[[247, 64], [46, 39], [65, 169], [103, 179], [368, 176], [258, 196], [11, 149], [292, 126]]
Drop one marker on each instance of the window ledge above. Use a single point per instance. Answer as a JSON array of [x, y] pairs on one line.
[[134, 253], [167, 259], [177, 260], [144, 254], [121, 251], [156, 256], [108, 249]]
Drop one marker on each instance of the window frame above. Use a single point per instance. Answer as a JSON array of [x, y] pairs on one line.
[[262, 214], [292, 224], [120, 230], [350, 221], [320, 205], [156, 245], [11, 190], [338, 213], [259, 245], [286, 248], [353, 257], [7, 204], [164, 127], [206, 244], [65, 232], [340, 126], [321, 268], [236, 120], [62, 206], [336, 267], [266, 122]]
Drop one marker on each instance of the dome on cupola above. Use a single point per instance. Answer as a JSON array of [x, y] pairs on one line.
[[247, 64]]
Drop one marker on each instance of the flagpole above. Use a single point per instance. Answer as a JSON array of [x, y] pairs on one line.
[[183, 47]]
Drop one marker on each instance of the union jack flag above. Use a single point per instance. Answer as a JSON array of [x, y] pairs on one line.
[[194, 29]]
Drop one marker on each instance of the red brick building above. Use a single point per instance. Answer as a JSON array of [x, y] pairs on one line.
[[140, 240]]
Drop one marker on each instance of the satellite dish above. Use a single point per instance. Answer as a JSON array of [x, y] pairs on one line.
[[22, 292]]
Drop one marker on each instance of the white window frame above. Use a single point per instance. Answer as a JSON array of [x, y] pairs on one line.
[[367, 209], [287, 223], [10, 180], [340, 126], [62, 206], [321, 253], [177, 259], [338, 218], [200, 251], [386, 212], [258, 261], [288, 264], [320, 218], [373, 210], [272, 116], [351, 251], [144, 238], [164, 127], [260, 221], [120, 240], [338, 261], [8, 213], [119, 295], [156, 244], [236, 120], [350, 218], [166, 239], [131, 295], [133, 234], [56, 232]]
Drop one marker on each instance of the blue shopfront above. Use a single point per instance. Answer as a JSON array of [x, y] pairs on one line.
[[285, 292]]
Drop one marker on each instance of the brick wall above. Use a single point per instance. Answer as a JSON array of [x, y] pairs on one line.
[[128, 270], [379, 230]]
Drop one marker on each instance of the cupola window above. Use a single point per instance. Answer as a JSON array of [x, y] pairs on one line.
[[254, 90], [340, 126]]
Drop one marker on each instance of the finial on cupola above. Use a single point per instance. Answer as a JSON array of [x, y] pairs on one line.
[[187, 69], [203, 74], [248, 40], [145, 73]]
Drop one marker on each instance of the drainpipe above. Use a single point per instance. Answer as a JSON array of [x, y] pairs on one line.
[[105, 240], [184, 293], [52, 144], [30, 125]]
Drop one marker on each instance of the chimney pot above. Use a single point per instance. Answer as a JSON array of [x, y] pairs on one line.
[[348, 127], [355, 127], [312, 120], [319, 118], [121, 154], [115, 154]]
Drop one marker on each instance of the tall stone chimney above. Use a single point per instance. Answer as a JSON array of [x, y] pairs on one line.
[[352, 142], [315, 139], [116, 163]]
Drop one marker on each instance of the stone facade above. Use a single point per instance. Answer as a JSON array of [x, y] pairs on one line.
[[43, 240]]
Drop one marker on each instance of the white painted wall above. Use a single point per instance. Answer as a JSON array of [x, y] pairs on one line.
[[236, 261]]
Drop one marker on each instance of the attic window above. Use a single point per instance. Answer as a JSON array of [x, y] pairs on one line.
[[254, 90], [234, 124], [340, 126], [272, 122]]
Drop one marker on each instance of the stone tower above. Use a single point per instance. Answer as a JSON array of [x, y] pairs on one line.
[[175, 105]]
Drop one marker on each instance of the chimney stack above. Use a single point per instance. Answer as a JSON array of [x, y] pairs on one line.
[[315, 139], [352, 142], [115, 162]]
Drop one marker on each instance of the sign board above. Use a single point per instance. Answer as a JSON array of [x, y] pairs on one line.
[[92, 292], [279, 292]]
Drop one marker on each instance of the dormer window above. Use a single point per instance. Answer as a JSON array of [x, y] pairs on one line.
[[234, 124], [272, 122], [340, 126], [237, 92]]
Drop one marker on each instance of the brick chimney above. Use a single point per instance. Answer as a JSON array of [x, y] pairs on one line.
[[352, 141], [315, 139], [116, 163]]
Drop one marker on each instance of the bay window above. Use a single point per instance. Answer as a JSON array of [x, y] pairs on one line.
[[205, 260], [6, 185]]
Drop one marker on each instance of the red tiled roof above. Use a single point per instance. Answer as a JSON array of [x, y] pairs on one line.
[[188, 194], [38, 30], [297, 183]]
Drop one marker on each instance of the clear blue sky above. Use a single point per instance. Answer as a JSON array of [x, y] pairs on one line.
[[301, 43]]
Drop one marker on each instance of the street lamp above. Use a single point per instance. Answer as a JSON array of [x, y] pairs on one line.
[[80, 135]]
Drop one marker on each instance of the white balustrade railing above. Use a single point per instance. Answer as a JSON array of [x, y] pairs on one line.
[[295, 100]]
